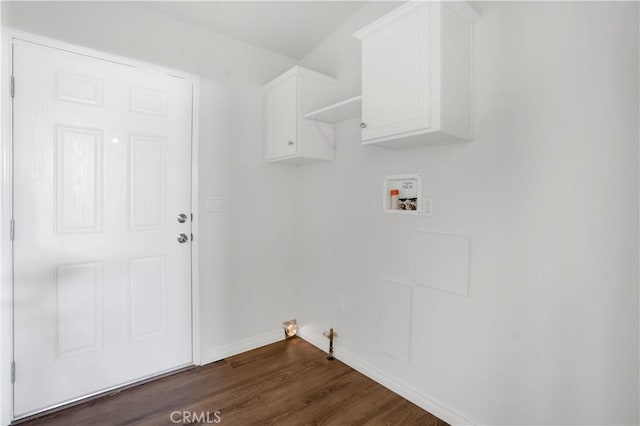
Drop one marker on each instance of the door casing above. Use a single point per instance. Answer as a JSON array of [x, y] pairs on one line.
[[6, 201]]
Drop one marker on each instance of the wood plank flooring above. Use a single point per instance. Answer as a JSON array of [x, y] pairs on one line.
[[286, 383]]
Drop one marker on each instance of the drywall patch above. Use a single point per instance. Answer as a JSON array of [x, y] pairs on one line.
[[398, 251], [394, 319], [442, 261]]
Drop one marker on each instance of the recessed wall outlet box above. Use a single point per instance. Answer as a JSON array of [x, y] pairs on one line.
[[409, 193]]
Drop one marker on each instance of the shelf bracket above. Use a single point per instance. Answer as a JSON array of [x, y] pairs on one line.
[[326, 138]]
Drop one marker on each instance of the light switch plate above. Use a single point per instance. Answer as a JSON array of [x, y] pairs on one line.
[[214, 204]]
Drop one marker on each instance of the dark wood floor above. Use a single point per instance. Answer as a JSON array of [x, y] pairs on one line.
[[286, 383]]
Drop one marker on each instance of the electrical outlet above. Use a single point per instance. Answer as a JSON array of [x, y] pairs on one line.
[[428, 207]]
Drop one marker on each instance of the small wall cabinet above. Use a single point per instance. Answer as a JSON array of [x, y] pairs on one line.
[[417, 75], [288, 136]]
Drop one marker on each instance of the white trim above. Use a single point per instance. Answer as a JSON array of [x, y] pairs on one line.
[[244, 345], [6, 285], [86, 51], [400, 387], [315, 338], [195, 224]]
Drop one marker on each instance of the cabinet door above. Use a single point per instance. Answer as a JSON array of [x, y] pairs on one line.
[[396, 76], [281, 119]]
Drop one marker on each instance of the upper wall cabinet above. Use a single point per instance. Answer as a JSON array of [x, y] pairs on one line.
[[288, 136], [417, 75]]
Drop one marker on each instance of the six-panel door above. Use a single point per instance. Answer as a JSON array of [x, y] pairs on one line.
[[102, 168]]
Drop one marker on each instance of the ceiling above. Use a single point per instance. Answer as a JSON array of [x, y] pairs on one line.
[[290, 28]]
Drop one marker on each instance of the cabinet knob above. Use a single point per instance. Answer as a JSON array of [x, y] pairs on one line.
[[290, 143], [363, 125]]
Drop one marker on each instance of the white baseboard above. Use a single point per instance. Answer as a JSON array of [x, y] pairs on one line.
[[240, 346], [401, 388], [316, 339]]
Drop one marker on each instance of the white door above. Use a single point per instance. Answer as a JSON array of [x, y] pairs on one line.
[[282, 118], [395, 77], [102, 168]]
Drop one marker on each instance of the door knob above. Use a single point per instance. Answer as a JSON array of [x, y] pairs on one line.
[[363, 125], [182, 218], [182, 238], [290, 143]]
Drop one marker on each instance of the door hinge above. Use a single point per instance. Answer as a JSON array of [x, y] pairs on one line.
[[13, 371], [12, 229], [13, 87]]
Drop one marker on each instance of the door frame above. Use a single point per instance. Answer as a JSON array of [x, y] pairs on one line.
[[6, 201]]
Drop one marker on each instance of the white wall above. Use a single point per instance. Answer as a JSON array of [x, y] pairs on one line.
[[245, 278], [548, 193]]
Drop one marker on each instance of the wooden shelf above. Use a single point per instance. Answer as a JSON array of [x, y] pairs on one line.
[[344, 110]]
